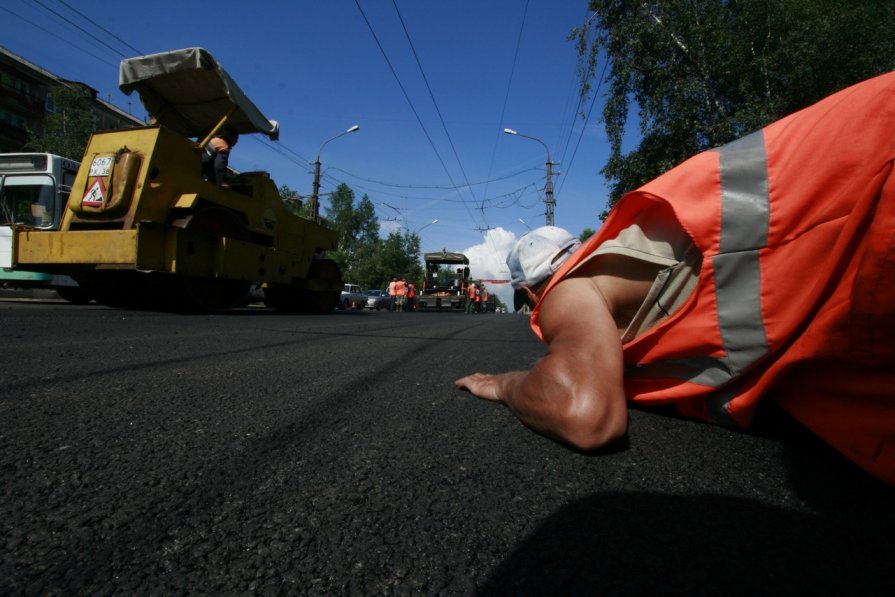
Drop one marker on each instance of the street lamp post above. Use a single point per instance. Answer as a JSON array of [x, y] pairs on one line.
[[548, 190], [418, 230], [315, 196], [423, 227]]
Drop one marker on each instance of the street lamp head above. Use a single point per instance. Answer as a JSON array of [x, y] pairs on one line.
[[421, 228], [512, 132], [548, 190], [316, 194]]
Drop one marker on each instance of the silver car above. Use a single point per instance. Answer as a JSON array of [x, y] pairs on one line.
[[378, 299]]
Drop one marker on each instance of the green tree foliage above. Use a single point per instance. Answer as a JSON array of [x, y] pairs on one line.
[[67, 130], [365, 267], [363, 257], [705, 72], [358, 235], [586, 234], [399, 256], [294, 202]]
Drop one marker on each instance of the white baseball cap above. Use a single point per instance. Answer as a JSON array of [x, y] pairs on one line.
[[538, 254]]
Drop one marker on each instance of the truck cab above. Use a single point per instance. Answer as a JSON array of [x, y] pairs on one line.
[[352, 297]]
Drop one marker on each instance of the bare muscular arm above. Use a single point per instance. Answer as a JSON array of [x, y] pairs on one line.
[[575, 393]]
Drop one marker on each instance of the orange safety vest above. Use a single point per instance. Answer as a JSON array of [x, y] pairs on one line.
[[796, 295]]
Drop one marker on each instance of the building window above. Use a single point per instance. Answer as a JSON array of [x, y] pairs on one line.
[[15, 83], [51, 104], [13, 120]]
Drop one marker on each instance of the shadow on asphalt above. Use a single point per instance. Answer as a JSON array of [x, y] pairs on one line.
[[641, 544], [838, 543]]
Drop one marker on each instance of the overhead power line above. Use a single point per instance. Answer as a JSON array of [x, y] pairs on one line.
[[472, 214], [57, 36], [79, 28], [593, 101], [443, 187], [95, 24], [506, 95], [434, 102], [284, 151], [403, 91]]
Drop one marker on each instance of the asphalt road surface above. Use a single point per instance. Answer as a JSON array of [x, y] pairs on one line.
[[257, 453]]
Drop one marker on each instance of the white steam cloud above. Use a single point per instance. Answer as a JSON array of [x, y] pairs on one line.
[[488, 261]]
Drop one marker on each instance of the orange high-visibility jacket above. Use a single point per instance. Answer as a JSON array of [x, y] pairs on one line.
[[796, 295]]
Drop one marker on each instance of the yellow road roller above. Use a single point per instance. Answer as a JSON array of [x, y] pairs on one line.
[[144, 229]]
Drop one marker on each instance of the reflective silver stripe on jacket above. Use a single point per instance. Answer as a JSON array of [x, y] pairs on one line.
[[745, 211]]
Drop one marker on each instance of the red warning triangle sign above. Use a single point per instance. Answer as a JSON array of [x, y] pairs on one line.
[[95, 195]]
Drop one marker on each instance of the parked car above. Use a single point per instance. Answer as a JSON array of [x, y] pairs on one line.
[[378, 299], [352, 298]]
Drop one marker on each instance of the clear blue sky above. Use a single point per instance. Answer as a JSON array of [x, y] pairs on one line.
[[316, 67]]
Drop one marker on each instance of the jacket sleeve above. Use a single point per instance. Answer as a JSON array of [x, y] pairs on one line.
[[221, 159]]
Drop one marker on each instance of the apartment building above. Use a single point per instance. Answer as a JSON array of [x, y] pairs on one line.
[[25, 102]]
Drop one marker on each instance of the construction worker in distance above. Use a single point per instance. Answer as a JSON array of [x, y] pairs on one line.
[[471, 291], [763, 270], [216, 157], [411, 297], [400, 294], [392, 287]]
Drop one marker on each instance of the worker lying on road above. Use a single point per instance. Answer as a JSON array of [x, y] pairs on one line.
[[763, 268]]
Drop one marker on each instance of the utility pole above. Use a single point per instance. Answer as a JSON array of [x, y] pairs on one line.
[[315, 196], [548, 190]]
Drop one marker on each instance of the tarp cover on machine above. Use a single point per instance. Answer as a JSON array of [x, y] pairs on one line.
[[446, 257], [188, 91]]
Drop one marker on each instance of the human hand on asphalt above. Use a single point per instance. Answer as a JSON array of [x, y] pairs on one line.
[[487, 386]]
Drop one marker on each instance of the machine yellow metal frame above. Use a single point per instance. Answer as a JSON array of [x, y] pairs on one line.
[[142, 227]]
